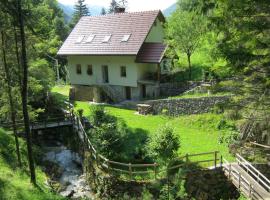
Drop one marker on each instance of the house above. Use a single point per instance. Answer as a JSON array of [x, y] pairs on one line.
[[116, 56]]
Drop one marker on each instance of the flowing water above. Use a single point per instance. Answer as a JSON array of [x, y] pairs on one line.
[[70, 176]]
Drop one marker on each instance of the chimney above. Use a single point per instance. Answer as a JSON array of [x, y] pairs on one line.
[[119, 9]]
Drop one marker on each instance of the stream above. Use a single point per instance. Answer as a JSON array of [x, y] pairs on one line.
[[66, 169]]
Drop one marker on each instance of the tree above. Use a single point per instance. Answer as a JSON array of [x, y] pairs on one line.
[[123, 3], [103, 11], [184, 32], [11, 102], [25, 93], [243, 28], [80, 10], [113, 6], [163, 144]]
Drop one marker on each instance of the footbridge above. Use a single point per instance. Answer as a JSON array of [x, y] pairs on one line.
[[249, 181]]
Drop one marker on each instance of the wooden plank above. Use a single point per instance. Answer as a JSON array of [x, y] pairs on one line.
[[260, 145]]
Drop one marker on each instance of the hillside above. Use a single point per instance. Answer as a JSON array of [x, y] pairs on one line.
[[168, 11], [15, 183], [68, 10]]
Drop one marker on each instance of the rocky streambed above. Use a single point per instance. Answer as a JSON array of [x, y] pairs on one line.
[[64, 167]]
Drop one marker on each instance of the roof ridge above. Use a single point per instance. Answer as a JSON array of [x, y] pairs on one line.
[[123, 13]]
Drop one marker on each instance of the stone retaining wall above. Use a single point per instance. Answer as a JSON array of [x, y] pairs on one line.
[[175, 107]]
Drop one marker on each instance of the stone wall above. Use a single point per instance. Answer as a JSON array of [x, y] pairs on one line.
[[173, 89], [175, 107]]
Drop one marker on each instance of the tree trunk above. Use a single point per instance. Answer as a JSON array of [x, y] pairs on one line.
[[25, 95], [17, 56], [189, 66], [11, 103]]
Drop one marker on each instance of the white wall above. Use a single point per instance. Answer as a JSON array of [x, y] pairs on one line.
[[113, 62], [157, 33]]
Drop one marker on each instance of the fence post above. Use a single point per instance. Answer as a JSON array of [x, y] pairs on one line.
[[187, 160], [239, 181], [230, 170], [250, 190], [221, 161], [215, 159], [130, 171], [155, 168]]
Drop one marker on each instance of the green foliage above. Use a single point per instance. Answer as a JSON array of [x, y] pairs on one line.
[[14, 183], [184, 32], [163, 144], [243, 40], [108, 139], [146, 195], [80, 10], [98, 116]]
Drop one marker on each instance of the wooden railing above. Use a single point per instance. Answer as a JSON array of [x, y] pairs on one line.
[[256, 174], [240, 181], [44, 122], [152, 170]]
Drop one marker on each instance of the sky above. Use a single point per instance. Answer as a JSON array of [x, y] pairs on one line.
[[133, 5]]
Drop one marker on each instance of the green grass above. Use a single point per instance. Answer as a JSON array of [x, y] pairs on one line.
[[14, 182], [198, 133], [199, 95]]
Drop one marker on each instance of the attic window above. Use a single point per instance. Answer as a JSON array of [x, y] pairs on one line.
[[90, 38], [107, 38], [125, 38], [79, 39]]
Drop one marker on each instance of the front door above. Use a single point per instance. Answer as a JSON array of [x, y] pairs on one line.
[[105, 74], [143, 91], [128, 93]]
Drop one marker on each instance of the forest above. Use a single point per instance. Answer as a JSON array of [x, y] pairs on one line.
[[227, 42]]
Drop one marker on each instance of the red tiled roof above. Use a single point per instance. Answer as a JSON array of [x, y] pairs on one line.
[[138, 24], [151, 53]]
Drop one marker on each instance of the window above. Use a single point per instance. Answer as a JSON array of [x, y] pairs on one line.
[[123, 71], [125, 38], [107, 38], [79, 69], [79, 39], [90, 70], [90, 38]]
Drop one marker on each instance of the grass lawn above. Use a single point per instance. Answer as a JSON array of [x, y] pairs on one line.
[[15, 183], [198, 133]]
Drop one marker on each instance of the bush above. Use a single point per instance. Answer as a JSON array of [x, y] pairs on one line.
[[163, 144], [108, 138], [99, 116]]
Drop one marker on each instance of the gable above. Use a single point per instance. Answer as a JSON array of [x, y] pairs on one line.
[[137, 25], [156, 34]]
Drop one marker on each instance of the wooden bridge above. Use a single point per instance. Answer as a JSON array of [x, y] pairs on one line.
[[52, 122], [251, 182]]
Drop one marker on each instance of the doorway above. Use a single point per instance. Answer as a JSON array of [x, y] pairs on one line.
[[143, 88], [105, 74], [128, 93]]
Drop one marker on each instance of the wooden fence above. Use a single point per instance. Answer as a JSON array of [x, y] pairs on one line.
[[150, 171], [252, 183]]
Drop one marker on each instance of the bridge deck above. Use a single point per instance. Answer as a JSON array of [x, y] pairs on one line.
[[238, 174], [40, 126]]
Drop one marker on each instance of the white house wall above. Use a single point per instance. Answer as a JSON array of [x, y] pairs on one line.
[[113, 62], [157, 33]]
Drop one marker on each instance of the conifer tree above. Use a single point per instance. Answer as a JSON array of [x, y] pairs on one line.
[[103, 11], [113, 6], [81, 10]]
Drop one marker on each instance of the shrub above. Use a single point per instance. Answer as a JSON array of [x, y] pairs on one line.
[[99, 116], [163, 144], [109, 138]]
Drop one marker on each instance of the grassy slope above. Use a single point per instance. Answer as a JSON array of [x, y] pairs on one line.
[[198, 133], [15, 183]]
